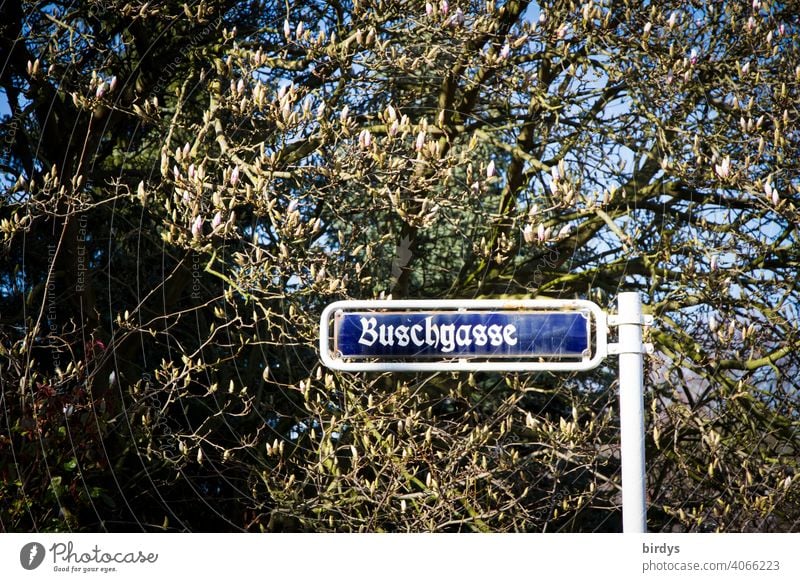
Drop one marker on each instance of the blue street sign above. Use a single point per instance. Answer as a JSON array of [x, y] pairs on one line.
[[462, 334]]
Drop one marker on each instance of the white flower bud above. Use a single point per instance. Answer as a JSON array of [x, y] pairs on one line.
[[713, 324]]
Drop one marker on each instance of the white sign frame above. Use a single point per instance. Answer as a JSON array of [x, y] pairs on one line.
[[600, 329]]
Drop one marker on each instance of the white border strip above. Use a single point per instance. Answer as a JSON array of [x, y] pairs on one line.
[[600, 327]]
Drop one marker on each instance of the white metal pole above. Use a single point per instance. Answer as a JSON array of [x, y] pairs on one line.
[[631, 414]]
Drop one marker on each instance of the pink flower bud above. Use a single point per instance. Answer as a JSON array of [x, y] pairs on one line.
[[428, 9], [723, 169], [287, 29], [420, 143], [505, 51], [101, 90], [673, 20], [216, 221], [490, 169], [527, 233], [445, 6], [365, 139], [235, 176], [197, 227]]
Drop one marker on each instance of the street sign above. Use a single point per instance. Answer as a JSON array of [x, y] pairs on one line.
[[463, 335], [500, 335]]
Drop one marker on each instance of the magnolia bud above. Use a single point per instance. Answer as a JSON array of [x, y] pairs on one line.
[[365, 139], [528, 234], [197, 227], [713, 324], [420, 143], [673, 19]]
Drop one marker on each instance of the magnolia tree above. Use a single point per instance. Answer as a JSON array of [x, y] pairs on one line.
[[188, 185]]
